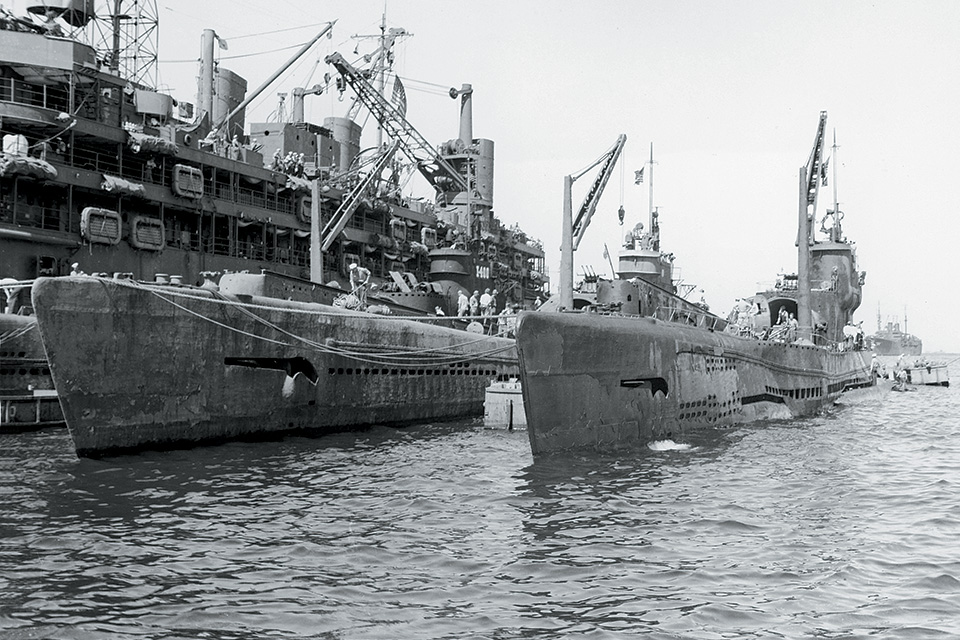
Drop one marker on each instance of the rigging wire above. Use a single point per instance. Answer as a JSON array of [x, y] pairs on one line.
[[241, 55], [266, 33], [398, 355]]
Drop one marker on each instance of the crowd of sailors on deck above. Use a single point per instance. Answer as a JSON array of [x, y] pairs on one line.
[[291, 164], [480, 310], [483, 307], [787, 327]]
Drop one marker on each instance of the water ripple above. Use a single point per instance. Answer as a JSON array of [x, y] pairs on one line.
[[840, 526]]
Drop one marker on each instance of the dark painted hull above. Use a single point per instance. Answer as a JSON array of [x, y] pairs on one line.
[[141, 367], [27, 398], [592, 381]]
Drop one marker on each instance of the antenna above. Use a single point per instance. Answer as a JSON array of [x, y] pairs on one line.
[[125, 35]]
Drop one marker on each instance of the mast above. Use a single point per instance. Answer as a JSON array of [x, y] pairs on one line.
[[115, 46], [804, 316], [206, 73], [650, 212], [566, 247], [381, 69], [836, 232], [316, 256]]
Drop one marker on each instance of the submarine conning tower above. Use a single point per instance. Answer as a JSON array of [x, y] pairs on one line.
[[836, 285], [641, 257]]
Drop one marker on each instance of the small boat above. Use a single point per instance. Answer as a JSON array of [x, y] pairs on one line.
[[923, 372]]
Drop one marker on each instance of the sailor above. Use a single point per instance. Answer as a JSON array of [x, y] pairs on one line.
[[850, 336], [502, 321], [485, 307], [512, 321], [234, 151], [439, 311], [11, 289], [875, 365], [359, 279], [475, 304], [901, 384], [793, 326], [485, 302], [463, 304]]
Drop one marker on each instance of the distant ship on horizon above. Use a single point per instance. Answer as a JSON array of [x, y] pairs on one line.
[[890, 340]]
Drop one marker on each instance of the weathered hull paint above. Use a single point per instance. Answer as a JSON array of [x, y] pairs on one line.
[[592, 381], [141, 367]]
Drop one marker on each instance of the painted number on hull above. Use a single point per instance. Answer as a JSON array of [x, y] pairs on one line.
[[483, 272]]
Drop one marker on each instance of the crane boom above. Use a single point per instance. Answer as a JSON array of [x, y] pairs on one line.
[[815, 163], [810, 177], [438, 172], [276, 74], [589, 206], [350, 203], [573, 231]]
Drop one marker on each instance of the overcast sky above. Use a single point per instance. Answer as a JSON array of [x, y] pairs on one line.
[[729, 93]]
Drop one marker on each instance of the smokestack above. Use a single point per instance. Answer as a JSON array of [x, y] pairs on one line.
[[297, 109], [466, 114]]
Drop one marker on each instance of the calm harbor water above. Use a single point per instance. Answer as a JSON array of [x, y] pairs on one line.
[[841, 526]]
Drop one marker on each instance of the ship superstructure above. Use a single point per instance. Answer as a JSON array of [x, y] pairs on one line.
[[101, 173]]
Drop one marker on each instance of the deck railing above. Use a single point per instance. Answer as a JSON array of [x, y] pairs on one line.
[[701, 319], [33, 95]]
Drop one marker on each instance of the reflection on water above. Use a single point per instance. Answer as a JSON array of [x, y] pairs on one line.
[[842, 525]]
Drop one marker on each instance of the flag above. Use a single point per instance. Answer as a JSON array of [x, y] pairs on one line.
[[638, 177], [400, 96], [606, 254], [221, 42]]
